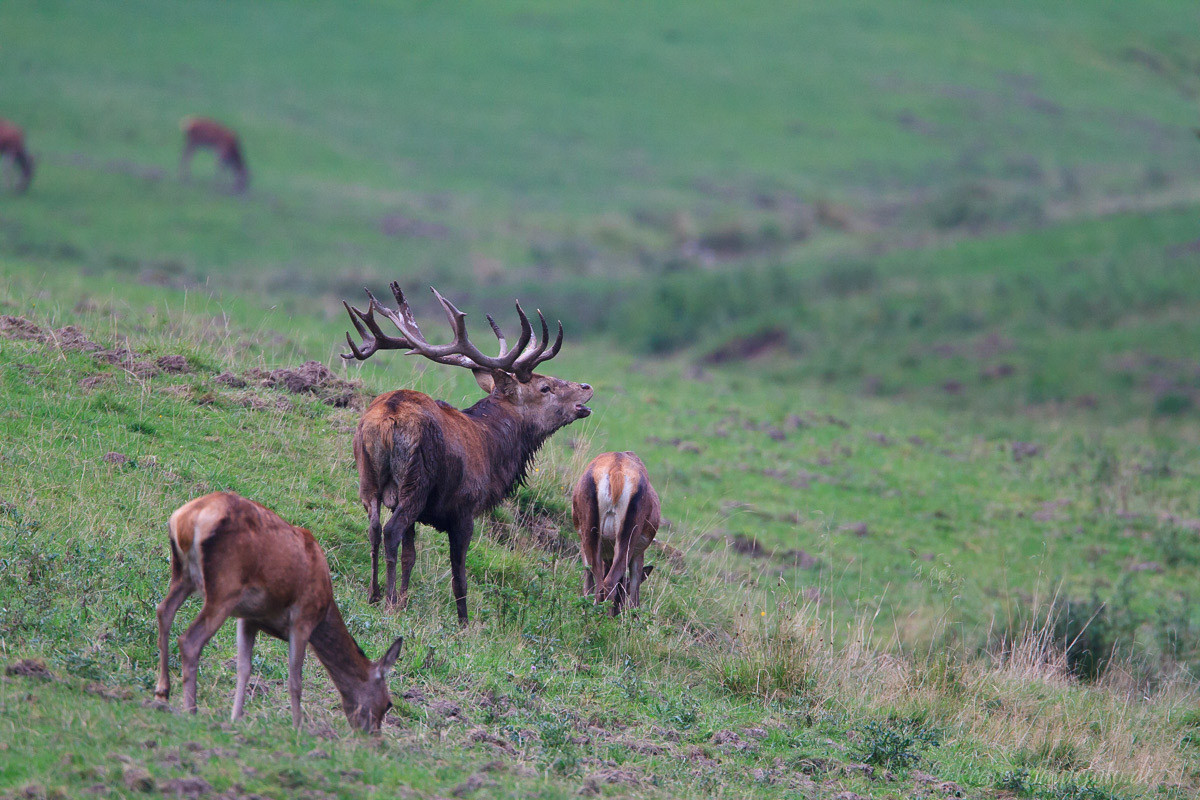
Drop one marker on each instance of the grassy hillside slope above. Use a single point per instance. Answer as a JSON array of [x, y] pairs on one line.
[[727, 672], [896, 300]]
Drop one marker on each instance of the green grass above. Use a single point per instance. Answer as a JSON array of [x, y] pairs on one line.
[[722, 645]]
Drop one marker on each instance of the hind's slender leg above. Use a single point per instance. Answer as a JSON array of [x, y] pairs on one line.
[[246, 632], [193, 640], [185, 161], [297, 643], [180, 589]]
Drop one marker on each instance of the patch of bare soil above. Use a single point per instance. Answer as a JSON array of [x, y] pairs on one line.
[[68, 337], [127, 360], [402, 226], [758, 345], [189, 787], [1024, 450], [313, 377], [29, 668], [108, 692], [620, 776], [472, 784], [483, 736], [173, 364]]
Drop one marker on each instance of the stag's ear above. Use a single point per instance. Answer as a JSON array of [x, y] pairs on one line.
[[485, 380], [389, 658], [646, 571]]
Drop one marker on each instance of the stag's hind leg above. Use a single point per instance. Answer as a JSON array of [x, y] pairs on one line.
[[401, 526], [375, 535]]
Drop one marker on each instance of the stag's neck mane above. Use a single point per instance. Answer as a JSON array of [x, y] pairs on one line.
[[512, 442]]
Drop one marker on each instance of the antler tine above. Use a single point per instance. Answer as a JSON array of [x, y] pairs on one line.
[[526, 331], [354, 351], [499, 335], [536, 353]]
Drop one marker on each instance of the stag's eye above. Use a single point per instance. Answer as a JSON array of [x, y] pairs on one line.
[[545, 388]]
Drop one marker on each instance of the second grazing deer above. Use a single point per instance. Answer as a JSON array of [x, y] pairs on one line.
[[251, 564], [432, 463], [616, 511]]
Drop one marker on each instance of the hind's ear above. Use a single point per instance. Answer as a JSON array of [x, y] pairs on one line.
[[646, 571], [389, 658]]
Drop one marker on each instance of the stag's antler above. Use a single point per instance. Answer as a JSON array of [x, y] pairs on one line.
[[519, 360]]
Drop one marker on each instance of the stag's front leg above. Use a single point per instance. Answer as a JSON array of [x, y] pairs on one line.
[[460, 540], [181, 587]]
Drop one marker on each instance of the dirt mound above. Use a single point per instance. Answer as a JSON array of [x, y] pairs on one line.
[[757, 345], [68, 337], [312, 377], [400, 226], [127, 360], [173, 364], [29, 668]]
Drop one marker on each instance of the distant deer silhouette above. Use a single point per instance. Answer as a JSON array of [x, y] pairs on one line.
[[201, 132], [12, 144]]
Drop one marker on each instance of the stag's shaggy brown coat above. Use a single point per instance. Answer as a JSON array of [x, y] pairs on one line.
[[251, 564], [616, 511]]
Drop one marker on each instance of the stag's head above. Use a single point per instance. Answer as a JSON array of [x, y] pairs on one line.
[[544, 403]]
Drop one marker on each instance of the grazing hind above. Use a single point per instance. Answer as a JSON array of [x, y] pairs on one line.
[[251, 564], [12, 144], [617, 514], [201, 132]]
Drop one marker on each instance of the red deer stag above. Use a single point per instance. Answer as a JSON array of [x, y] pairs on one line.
[[616, 511], [12, 144], [201, 132], [251, 564], [431, 463]]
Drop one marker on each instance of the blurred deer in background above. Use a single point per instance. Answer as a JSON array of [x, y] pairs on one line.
[[431, 463], [12, 144], [251, 564], [201, 132], [616, 511]]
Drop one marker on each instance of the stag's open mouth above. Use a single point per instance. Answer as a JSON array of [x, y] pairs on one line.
[[581, 411]]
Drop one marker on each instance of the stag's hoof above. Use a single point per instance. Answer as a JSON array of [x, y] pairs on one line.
[[162, 695], [375, 597]]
